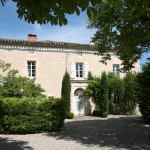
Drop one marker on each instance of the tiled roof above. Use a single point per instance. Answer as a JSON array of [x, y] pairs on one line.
[[46, 44]]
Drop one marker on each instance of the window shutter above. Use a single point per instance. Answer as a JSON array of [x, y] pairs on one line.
[[86, 70], [72, 70]]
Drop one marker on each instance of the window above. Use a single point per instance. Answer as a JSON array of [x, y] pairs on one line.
[[116, 69], [79, 53], [79, 70], [31, 52], [31, 68]]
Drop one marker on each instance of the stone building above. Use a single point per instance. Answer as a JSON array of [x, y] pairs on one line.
[[47, 61]]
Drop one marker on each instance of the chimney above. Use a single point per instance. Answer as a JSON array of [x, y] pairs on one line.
[[32, 37]]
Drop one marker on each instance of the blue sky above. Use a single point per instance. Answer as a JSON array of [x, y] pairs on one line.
[[12, 27], [75, 31]]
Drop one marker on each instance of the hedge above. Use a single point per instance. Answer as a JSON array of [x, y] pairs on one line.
[[31, 115]]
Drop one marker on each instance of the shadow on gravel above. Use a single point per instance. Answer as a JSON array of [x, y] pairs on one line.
[[8, 144], [123, 132]]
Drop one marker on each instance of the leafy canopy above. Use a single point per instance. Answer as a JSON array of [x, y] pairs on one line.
[[52, 11], [114, 93], [14, 85], [123, 26]]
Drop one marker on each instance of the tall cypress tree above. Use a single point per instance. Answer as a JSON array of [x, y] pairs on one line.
[[104, 108], [65, 91]]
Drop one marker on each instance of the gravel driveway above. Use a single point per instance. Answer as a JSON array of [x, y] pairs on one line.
[[86, 133]]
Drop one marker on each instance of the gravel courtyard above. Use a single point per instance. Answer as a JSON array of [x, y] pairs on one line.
[[86, 133]]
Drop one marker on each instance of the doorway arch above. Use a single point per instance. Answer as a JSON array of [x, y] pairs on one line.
[[79, 102]]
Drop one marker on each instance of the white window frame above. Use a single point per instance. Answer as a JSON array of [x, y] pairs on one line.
[[79, 70], [116, 69], [31, 66]]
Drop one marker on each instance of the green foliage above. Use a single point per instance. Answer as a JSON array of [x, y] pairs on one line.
[[4, 66], [54, 12], [31, 115], [70, 115], [144, 92], [13, 85], [145, 66], [93, 90], [90, 76], [65, 91], [98, 90], [96, 113], [122, 25], [115, 93], [104, 102], [130, 93]]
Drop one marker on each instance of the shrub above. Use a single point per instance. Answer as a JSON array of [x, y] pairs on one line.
[[96, 113], [98, 90], [31, 115], [70, 115], [115, 93], [111, 94], [65, 91], [90, 76], [144, 92], [93, 90], [130, 93], [104, 105], [13, 85]]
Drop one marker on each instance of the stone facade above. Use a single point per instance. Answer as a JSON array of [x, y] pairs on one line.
[[52, 59]]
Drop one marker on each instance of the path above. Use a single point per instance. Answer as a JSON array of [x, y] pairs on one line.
[[86, 133]]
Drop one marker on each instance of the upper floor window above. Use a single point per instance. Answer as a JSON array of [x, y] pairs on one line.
[[31, 52], [31, 68], [116, 69], [79, 53], [79, 70]]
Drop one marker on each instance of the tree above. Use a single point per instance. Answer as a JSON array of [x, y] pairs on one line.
[[130, 93], [93, 90], [4, 66], [123, 27], [144, 92], [51, 11], [90, 76], [65, 91], [115, 93], [14, 85], [104, 105], [112, 94], [145, 66]]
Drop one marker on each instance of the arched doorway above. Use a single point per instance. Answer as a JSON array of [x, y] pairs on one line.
[[79, 102]]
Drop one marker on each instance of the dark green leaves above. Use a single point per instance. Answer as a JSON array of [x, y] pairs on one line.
[[3, 2], [123, 26], [65, 91], [52, 11]]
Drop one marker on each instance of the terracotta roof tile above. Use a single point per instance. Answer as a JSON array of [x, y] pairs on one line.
[[47, 44]]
